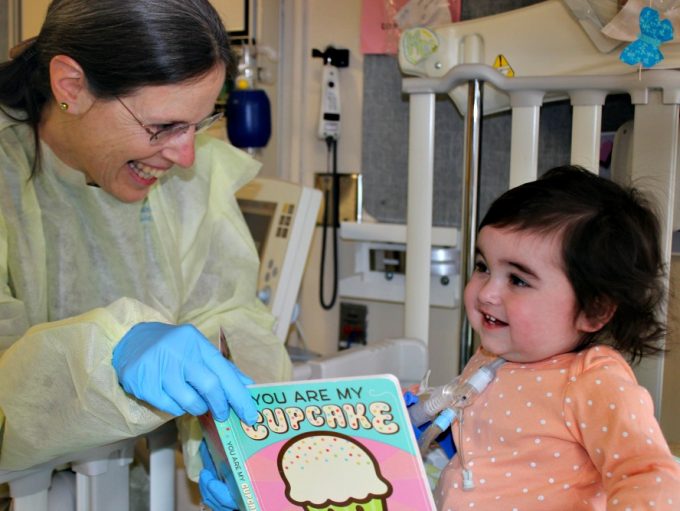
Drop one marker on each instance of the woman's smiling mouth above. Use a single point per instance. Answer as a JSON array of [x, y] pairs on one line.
[[144, 172]]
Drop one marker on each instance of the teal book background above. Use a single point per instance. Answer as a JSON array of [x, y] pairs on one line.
[[343, 444]]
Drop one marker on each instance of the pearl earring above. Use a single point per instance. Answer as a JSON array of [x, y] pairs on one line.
[[63, 106]]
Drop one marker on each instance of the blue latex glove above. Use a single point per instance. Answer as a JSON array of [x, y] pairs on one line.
[[214, 492], [177, 370]]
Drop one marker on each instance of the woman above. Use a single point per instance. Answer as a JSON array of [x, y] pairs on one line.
[[122, 249]]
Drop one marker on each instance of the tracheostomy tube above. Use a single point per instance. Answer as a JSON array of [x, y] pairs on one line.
[[455, 394]]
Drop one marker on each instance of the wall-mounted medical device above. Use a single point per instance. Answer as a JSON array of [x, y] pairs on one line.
[[329, 132], [329, 112], [281, 217], [380, 264]]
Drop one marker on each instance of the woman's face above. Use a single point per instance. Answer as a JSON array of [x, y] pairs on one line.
[[108, 144]]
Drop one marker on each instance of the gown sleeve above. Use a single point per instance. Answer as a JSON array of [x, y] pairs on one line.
[[59, 392], [613, 418]]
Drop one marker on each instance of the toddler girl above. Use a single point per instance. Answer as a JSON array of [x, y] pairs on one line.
[[567, 280]]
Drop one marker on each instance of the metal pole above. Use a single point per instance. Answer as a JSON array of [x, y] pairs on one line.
[[470, 207]]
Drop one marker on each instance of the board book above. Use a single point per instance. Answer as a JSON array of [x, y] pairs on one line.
[[340, 444]]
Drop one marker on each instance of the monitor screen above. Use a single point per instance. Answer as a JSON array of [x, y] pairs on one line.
[[258, 216]]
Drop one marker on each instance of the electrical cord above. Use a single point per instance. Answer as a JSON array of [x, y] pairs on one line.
[[332, 147]]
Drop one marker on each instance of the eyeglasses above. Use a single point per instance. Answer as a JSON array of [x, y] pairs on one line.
[[168, 131]]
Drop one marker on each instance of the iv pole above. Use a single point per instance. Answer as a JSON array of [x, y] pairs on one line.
[[470, 208]]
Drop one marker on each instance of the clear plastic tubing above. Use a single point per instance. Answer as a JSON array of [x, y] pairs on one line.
[[440, 424], [453, 394]]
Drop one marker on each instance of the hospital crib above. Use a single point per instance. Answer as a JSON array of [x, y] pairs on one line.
[[655, 95]]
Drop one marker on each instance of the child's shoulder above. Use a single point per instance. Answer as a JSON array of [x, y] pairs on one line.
[[600, 358], [600, 354]]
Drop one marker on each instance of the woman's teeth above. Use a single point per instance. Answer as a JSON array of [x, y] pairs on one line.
[[144, 171]]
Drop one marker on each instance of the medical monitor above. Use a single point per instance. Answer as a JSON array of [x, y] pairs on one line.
[[281, 217]]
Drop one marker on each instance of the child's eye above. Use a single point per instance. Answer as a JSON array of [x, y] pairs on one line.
[[516, 281], [480, 267]]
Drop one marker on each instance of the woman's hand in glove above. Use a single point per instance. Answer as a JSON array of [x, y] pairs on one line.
[[176, 369], [214, 492]]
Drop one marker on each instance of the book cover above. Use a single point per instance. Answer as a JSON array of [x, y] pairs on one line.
[[341, 444]]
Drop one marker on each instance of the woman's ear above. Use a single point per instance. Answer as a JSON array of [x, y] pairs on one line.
[[598, 317], [69, 85]]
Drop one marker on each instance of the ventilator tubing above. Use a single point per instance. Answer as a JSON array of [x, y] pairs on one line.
[[429, 405], [439, 425], [453, 395]]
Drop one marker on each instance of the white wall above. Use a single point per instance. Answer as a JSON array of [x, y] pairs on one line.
[[311, 24], [32, 16]]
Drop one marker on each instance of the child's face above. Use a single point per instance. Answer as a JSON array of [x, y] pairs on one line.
[[519, 299]]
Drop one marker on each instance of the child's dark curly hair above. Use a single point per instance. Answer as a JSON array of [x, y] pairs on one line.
[[611, 251]]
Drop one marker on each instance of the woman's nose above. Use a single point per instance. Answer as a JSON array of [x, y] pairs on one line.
[[181, 148]]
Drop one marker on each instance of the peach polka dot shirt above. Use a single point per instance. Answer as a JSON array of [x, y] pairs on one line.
[[574, 432]]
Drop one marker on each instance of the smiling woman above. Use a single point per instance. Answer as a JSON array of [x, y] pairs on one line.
[[122, 241]]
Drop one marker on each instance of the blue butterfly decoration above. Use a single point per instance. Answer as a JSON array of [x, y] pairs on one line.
[[645, 50]]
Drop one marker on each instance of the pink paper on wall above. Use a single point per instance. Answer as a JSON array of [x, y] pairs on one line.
[[380, 31]]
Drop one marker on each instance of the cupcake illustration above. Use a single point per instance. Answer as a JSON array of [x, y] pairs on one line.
[[328, 471]]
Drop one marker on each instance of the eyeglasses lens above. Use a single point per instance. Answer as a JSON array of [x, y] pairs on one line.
[[165, 134]]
